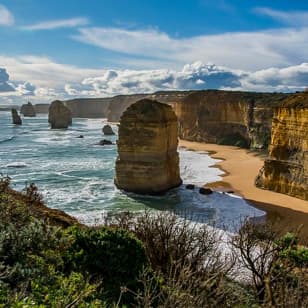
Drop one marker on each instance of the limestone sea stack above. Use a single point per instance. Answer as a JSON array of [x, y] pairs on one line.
[[59, 116], [148, 161], [286, 169], [15, 117], [28, 110], [107, 130]]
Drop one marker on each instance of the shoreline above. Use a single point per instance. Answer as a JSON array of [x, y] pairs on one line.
[[240, 167]]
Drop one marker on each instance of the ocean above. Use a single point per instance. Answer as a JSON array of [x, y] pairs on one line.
[[76, 175]]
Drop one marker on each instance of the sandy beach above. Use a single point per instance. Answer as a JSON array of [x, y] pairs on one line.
[[241, 167]]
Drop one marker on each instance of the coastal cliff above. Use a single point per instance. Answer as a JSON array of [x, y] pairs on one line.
[[41, 108], [148, 161], [88, 107], [120, 103], [227, 117], [286, 169]]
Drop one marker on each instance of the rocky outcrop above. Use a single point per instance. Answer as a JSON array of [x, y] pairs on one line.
[[107, 130], [148, 161], [59, 116], [226, 117], [15, 117], [105, 142], [28, 110], [286, 169]]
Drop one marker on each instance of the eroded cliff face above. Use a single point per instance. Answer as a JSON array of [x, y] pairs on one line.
[[148, 161], [41, 108], [286, 169], [227, 117], [88, 107], [120, 103]]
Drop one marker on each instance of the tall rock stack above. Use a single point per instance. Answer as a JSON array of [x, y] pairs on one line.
[[15, 117], [148, 161], [28, 110], [59, 116], [286, 170]]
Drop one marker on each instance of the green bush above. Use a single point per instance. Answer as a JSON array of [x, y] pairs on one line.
[[114, 255]]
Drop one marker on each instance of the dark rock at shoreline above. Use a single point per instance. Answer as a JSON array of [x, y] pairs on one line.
[[190, 186], [105, 142], [205, 191], [15, 117], [28, 110], [59, 116], [107, 130]]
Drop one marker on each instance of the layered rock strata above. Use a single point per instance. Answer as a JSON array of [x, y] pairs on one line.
[[227, 117], [28, 110], [59, 116], [88, 107], [286, 169], [148, 161], [15, 117], [41, 108]]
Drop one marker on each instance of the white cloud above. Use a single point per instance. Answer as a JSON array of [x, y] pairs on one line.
[[243, 50], [60, 23], [25, 89], [295, 18], [44, 72], [6, 17], [4, 81], [44, 80]]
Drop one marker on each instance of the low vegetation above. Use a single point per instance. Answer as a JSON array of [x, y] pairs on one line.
[[148, 260]]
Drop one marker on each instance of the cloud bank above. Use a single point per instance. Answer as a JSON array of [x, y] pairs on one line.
[[4, 78], [44, 80], [243, 50]]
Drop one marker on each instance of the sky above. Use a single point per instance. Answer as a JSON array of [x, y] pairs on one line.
[[97, 48]]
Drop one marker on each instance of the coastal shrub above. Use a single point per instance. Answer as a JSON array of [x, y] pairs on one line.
[[113, 255], [189, 268], [277, 266]]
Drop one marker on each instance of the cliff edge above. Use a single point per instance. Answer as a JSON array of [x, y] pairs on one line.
[[227, 117]]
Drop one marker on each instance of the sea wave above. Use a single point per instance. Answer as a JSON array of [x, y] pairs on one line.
[[7, 139]]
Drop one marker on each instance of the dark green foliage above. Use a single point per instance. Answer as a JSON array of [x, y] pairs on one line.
[[115, 256], [173, 263]]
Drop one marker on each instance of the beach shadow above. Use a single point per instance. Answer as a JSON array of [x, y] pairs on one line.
[[285, 219]]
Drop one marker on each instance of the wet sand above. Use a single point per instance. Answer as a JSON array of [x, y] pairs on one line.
[[241, 167]]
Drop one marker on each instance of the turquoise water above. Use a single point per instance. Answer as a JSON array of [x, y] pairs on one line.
[[76, 175]]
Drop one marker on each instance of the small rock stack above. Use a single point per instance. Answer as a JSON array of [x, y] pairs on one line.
[[15, 117], [59, 115], [28, 110]]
